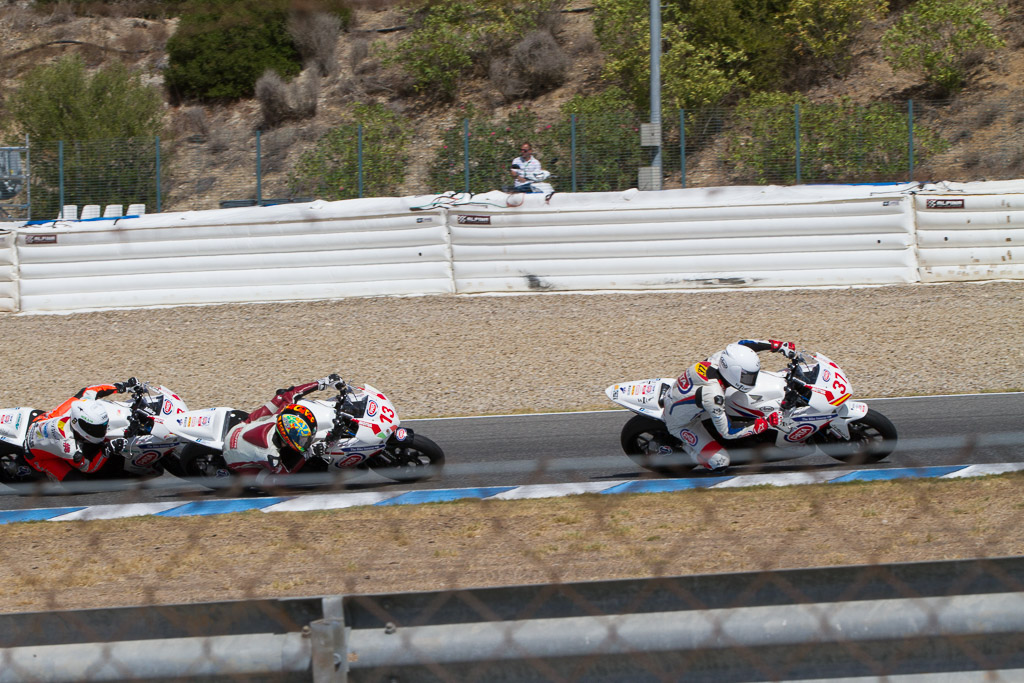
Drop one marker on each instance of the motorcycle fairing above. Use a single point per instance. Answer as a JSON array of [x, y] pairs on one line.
[[14, 426], [848, 412], [643, 396]]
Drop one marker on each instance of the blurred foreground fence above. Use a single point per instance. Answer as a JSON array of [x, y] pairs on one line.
[[900, 622], [835, 142]]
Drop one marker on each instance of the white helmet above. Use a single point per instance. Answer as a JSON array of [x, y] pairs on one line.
[[739, 365], [89, 420]]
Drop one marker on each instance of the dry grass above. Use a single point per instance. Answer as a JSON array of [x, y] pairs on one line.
[[485, 542]]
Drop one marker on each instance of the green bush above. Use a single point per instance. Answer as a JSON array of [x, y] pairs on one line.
[[823, 29], [711, 49], [839, 141], [455, 37], [331, 169], [941, 37], [108, 122], [222, 47]]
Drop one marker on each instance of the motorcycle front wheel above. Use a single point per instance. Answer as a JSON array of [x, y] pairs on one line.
[[415, 459], [872, 438], [647, 443]]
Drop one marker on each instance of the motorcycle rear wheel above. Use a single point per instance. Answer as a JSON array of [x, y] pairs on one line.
[[872, 438], [414, 460], [14, 469], [645, 441], [201, 465]]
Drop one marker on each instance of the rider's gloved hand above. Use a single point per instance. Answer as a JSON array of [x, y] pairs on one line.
[[331, 380], [760, 425], [121, 387], [773, 419], [115, 446], [317, 450], [787, 349]]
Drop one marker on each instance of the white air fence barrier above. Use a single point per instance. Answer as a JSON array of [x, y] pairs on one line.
[[684, 239], [726, 237], [319, 250], [971, 231], [8, 271]]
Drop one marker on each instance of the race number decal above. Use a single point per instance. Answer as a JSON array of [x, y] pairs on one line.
[[386, 414], [702, 370]]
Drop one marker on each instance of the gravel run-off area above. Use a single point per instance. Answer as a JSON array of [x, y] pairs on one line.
[[468, 355]]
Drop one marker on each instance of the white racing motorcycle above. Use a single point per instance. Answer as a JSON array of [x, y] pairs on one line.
[[156, 424], [812, 396], [361, 430]]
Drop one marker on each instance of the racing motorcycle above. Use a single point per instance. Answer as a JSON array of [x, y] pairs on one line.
[[816, 413], [360, 430], [155, 423]]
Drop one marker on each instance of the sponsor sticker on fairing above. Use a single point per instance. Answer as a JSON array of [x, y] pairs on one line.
[[168, 407], [401, 434], [826, 375], [146, 458], [350, 461], [371, 408], [800, 433], [689, 437]]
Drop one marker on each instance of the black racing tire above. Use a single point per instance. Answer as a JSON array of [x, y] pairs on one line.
[[647, 443], [15, 470], [409, 461], [201, 465], [872, 438]]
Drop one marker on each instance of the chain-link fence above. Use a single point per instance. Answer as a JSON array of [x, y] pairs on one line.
[[504, 571], [836, 142]]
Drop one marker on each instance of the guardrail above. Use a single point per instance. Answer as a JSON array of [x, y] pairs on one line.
[[496, 242], [897, 621]]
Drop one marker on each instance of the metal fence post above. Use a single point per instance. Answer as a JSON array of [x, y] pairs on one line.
[[259, 172], [682, 147], [572, 148], [465, 152], [60, 175], [796, 126], [329, 651], [158, 174], [28, 179], [910, 140], [359, 157]]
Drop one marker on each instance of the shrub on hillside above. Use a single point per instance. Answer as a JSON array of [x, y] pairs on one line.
[[331, 169], [534, 65], [281, 101], [942, 38], [107, 121], [823, 29], [452, 39], [315, 34], [222, 47]]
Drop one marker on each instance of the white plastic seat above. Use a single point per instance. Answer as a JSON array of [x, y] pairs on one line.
[[69, 212], [136, 209], [113, 211], [90, 211]]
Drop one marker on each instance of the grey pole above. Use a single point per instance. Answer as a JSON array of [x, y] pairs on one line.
[[572, 148], [796, 127], [259, 172], [158, 174], [656, 82], [60, 175], [465, 152], [359, 156], [682, 146], [910, 139]]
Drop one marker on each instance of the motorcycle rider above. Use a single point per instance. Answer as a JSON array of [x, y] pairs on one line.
[[68, 447], [699, 392], [69, 441], [278, 437]]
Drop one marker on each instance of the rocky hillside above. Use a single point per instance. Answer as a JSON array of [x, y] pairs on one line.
[[214, 145]]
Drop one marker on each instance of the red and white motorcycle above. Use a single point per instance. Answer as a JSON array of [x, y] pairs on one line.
[[812, 396], [360, 429]]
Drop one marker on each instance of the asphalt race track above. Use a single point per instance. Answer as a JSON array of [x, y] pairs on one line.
[[584, 447]]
